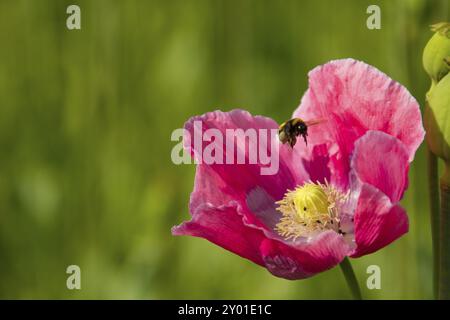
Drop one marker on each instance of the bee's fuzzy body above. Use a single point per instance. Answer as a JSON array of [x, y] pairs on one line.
[[291, 129]]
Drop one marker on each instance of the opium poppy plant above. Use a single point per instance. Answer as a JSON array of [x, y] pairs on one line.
[[336, 196]]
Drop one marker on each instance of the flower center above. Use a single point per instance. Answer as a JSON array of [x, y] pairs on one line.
[[309, 208]]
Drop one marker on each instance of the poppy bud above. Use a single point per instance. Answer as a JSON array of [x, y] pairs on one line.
[[436, 61], [437, 118], [436, 55]]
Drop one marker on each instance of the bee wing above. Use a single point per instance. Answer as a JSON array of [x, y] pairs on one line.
[[315, 121]]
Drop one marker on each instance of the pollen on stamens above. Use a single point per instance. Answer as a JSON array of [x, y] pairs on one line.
[[309, 208]]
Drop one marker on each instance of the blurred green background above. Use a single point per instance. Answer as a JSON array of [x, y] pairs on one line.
[[86, 116]]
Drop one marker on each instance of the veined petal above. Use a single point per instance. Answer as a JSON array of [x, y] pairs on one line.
[[354, 97], [224, 222], [379, 177], [381, 161], [223, 226], [303, 260], [240, 180], [377, 222], [317, 163], [211, 189]]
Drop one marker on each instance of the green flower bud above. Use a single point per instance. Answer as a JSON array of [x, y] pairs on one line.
[[436, 55], [437, 118]]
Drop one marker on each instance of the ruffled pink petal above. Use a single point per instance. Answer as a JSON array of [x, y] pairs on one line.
[[221, 220], [316, 163], [304, 260], [354, 97], [223, 226], [381, 161], [243, 183], [377, 221], [208, 188], [211, 189]]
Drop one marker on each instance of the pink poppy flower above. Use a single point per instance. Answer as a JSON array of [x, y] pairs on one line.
[[337, 196]]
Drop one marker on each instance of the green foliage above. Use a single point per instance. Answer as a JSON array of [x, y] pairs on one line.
[[85, 121]]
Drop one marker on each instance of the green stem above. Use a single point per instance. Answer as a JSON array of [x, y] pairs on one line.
[[434, 215], [350, 277], [444, 270]]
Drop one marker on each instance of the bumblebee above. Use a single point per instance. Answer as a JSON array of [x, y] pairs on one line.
[[291, 129]]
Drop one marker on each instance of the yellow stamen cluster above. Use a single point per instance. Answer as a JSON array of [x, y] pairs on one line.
[[309, 208]]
